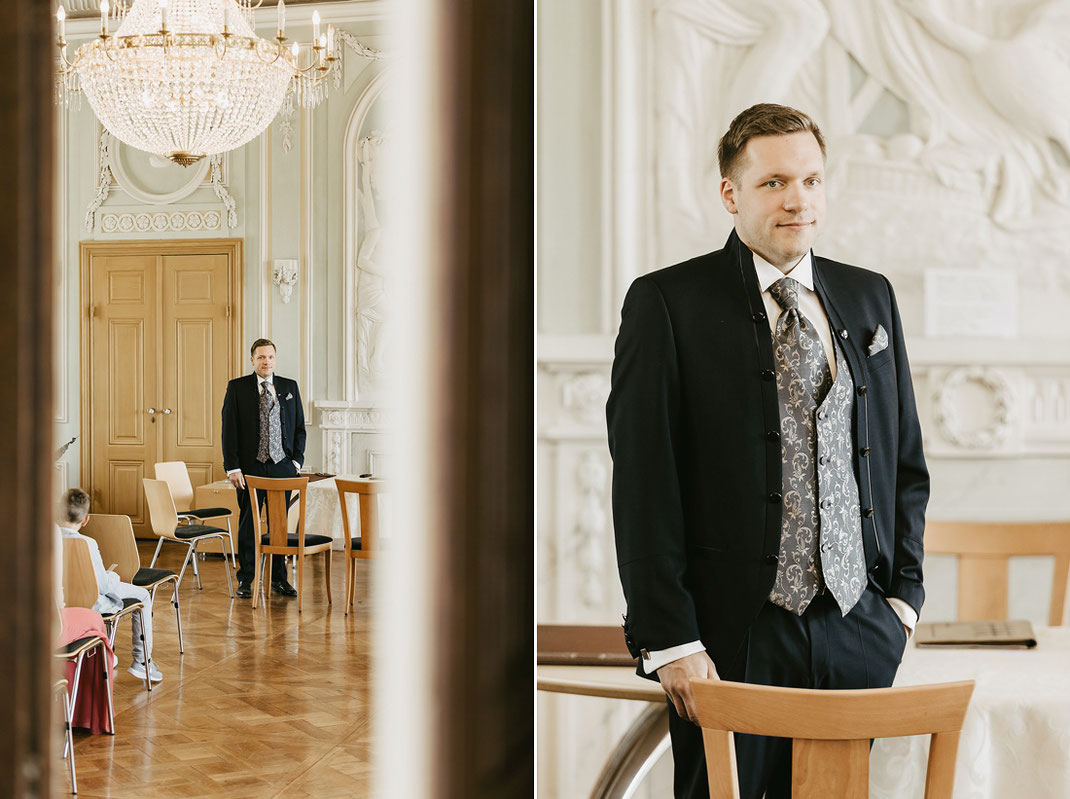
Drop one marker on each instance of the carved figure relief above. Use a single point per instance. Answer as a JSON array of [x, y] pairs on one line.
[[373, 337]]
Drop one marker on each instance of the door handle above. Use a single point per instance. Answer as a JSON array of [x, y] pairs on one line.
[[166, 411], [150, 411]]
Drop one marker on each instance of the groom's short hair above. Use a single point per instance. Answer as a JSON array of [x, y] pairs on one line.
[[763, 119]]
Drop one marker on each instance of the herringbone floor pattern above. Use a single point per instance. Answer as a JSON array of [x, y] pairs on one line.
[[265, 703]]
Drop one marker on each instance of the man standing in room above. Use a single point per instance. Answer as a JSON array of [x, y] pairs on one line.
[[263, 435], [769, 485]]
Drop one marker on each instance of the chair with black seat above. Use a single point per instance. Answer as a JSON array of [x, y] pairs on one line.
[[278, 540], [367, 544], [167, 525], [176, 475], [114, 535], [80, 590]]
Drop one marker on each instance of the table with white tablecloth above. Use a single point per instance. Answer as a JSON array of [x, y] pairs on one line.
[[1016, 737]]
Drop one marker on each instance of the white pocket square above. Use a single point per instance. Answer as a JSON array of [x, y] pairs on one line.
[[291, 396], [879, 342]]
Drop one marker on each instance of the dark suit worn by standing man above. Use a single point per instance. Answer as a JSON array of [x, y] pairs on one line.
[[263, 435], [769, 486]]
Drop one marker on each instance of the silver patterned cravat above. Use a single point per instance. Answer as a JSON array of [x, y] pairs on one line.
[[803, 379], [270, 428]]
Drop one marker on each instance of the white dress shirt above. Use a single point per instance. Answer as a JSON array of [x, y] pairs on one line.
[[810, 307]]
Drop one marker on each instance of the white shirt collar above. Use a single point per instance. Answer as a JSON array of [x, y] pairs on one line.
[[261, 380], [769, 274]]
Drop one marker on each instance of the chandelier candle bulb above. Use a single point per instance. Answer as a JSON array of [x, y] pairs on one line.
[[330, 38], [163, 15], [61, 18], [103, 17], [282, 18], [315, 27]]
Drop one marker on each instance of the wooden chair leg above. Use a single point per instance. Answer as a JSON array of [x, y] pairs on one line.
[[257, 572], [300, 581], [327, 573]]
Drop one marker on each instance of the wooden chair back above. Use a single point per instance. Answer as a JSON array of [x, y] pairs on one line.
[[163, 516], [831, 731], [368, 491], [984, 550], [275, 488], [79, 581], [176, 475], [114, 535]]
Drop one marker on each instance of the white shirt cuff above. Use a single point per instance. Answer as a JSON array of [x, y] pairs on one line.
[[905, 613], [229, 473], [662, 657]]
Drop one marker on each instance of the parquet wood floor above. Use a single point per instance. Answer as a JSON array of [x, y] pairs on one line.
[[264, 703]]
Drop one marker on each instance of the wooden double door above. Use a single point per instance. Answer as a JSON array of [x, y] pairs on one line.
[[160, 339]]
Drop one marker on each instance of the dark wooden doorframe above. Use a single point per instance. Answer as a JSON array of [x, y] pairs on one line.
[[26, 471]]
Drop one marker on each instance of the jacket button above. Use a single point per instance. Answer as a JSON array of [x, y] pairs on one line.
[[826, 503], [861, 391], [773, 436], [770, 560], [865, 452], [768, 374], [758, 317], [774, 498], [822, 460], [868, 512], [826, 547], [843, 333]]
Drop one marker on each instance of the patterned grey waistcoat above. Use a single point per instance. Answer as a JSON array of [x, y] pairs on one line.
[[821, 535]]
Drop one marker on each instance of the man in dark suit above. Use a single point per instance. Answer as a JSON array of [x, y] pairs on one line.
[[769, 486], [263, 435]]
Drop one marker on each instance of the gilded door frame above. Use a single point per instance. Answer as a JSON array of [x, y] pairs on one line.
[[232, 247]]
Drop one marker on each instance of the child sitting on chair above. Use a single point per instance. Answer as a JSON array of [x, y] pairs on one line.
[[73, 512]]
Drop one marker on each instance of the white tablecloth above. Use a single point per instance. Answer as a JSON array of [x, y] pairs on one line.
[[1016, 737]]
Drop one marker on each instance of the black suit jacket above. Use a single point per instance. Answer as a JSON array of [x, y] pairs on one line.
[[241, 421], [697, 468]]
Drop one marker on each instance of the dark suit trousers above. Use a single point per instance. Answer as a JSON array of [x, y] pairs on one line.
[[246, 540], [820, 649]]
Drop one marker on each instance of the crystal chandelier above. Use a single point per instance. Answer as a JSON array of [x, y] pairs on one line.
[[188, 78]]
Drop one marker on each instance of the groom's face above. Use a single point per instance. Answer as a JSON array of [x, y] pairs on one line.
[[777, 196]]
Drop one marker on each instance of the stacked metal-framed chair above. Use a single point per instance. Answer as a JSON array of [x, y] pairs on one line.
[[80, 590], [176, 475], [167, 524], [114, 535]]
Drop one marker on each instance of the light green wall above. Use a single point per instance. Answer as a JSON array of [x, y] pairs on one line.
[[77, 177]]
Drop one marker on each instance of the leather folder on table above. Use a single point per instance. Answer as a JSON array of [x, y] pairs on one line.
[[1015, 634], [582, 645]]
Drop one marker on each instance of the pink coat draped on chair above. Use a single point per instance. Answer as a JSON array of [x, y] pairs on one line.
[[91, 712]]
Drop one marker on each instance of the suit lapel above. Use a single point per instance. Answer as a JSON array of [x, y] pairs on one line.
[[833, 308]]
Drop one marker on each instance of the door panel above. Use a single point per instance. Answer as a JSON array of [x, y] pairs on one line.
[[122, 435], [161, 332], [194, 334]]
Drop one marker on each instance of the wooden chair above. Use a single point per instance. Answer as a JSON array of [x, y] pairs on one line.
[[278, 540], [114, 535], [367, 544], [984, 550], [166, 524], [831, 732], [80, 590], [176, 475]]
